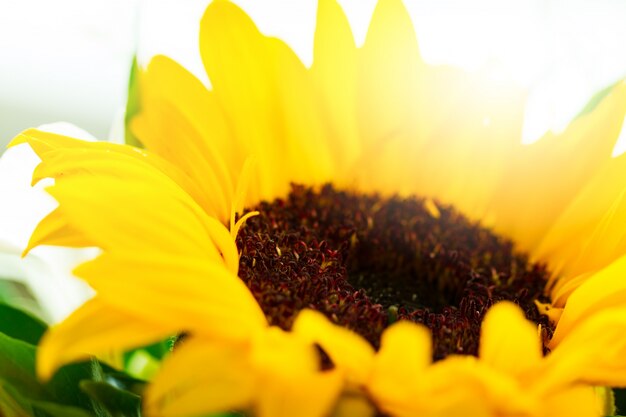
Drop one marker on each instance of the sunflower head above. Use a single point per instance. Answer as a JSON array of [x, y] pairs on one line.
[[364, 237]]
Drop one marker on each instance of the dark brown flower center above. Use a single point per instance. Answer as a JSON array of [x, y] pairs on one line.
[[367, 261]]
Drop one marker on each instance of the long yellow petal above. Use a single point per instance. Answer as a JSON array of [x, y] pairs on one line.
[[440, 117], [546, 176], [163, 129], [307, 144], [50, 145], [55, 231], [217, 302], [334, 74], [389, 70], [236, 58], [592, 353], [602, 290], [590, 233], [95, 328], [68, 161], [108, 211], [166, 79], [509, 342], [473, 125], [268, 95]]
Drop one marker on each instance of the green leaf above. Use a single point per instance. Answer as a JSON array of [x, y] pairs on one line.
[[21, 325], [64, 387], [133, 104], [620, 399], [51, 409], [126, 382], [118, 402], [14, 403], [17, 366], [18, 377], [595, 100], [9, 405]]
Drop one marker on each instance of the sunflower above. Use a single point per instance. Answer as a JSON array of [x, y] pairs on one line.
[[364, 237]]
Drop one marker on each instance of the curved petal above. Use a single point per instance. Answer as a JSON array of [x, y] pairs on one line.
[[163, 129], [106, 211], [53, 146], [334, 74], [576, 401], [461, 385], [95, 329], [590, 233], [601, 291], [593, 353], [347, 350], [401, 362], [290, 382], [554, 170], [437, 132], [201, 377], [509, 342], [268, 96], [389, 71], [216, 302], [167, 80]]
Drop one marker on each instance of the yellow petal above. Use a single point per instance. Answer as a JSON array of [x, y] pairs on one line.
[[308, 147], [334, 74], [53, 230], [388, 73], [201, 377], [404, 354], [347, 350], [458, 120], [602, 290], [94, 181], [354, 406], [478, 387], [163, 129], [461, 385], [577, 401], [49, 145], [42, 142], [95, 328], [267, 93], [509, 342], [593, 352], [242, 193], [589, 234], [308, 395], [167, 80], [216, 302], [290, 383], [108, 210], [554, 170], [475, 121]]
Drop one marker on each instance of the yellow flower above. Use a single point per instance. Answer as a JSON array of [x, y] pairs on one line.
[[274, 326]]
